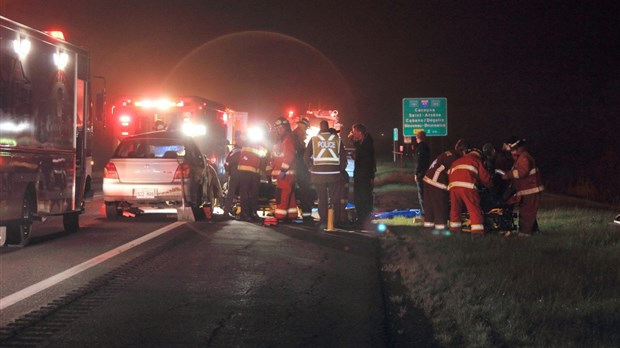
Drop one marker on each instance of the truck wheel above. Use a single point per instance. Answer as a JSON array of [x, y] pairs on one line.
[[111, 210], [71, 222], [18, 234]]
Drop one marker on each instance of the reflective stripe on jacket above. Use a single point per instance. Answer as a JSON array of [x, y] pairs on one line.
[[325, 149], [252, 158], [526, 179], [437, 173], [283, 156], [468, 171]]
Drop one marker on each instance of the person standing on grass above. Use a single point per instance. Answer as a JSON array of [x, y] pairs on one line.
[[364, 173], [527, 182], [465, 174], [436, 196], [422, 158]]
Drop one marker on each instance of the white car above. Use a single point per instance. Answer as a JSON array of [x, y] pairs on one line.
[[156, 172]]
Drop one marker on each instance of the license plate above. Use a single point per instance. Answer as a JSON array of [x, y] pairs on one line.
[[144, 193]]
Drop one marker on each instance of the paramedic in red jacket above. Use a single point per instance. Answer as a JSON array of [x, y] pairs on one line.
[[527, 183], [465, 174], [283, 171], [436, 196]]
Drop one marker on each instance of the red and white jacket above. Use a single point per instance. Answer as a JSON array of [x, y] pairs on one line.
[[437, 173], [468, 171], [526, 179], [252, 158], [283, 157]]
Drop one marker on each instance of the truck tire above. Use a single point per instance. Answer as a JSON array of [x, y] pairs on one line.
[[71, 222], [18, 234], [111, 210]]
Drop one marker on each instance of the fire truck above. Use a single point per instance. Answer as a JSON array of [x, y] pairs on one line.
[[204, 119], [45, 130]]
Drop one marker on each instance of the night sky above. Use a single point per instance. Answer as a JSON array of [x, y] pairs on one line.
[[547, 71]]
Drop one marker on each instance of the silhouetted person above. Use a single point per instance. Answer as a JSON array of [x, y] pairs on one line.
[[364, 173]]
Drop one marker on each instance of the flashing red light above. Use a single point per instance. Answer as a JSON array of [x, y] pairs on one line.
[[291, 113], [56, 34]]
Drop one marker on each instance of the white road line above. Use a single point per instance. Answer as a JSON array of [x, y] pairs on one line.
[[55, 279]]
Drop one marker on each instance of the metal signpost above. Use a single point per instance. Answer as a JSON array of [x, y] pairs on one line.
[[395, 137], [427, 114]]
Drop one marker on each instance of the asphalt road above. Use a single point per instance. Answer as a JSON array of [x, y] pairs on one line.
[[207, 284]]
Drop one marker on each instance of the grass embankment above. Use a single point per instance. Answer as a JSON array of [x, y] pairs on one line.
[[557, 289]]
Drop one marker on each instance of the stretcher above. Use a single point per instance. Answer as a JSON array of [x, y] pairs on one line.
[[498, 216]]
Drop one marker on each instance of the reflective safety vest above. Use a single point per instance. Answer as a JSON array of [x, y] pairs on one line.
[[326, 149], [252, 158]]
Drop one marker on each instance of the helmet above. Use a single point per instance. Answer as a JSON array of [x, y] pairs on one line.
[[488, 149], [305, 122], [281, 121], [475, 150]]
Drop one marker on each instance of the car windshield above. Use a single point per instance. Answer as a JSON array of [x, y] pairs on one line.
[[149, 148]]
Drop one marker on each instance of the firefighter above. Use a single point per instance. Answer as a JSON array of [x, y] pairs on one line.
[[527, 183], [251, 163], [327, 158], [230, 165], [283, 171], [304, 191], [436, 196], [465, 174]]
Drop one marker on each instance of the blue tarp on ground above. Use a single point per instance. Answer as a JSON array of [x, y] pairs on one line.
[[409, 213]]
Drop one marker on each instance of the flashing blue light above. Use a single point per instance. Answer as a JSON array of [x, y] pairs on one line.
[[381, 227]]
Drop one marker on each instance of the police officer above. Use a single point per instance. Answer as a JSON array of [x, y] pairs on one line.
[[326, 157], [283, 171]]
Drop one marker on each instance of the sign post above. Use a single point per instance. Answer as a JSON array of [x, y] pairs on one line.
[[425, 114], [395, 137]]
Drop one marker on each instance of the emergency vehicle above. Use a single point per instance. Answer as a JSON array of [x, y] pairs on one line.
[[45, 130], [205, 120]]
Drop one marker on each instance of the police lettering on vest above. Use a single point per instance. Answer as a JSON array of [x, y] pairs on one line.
[[326, 149]]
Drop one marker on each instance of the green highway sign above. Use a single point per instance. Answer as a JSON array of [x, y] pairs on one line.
[[427, 114]]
